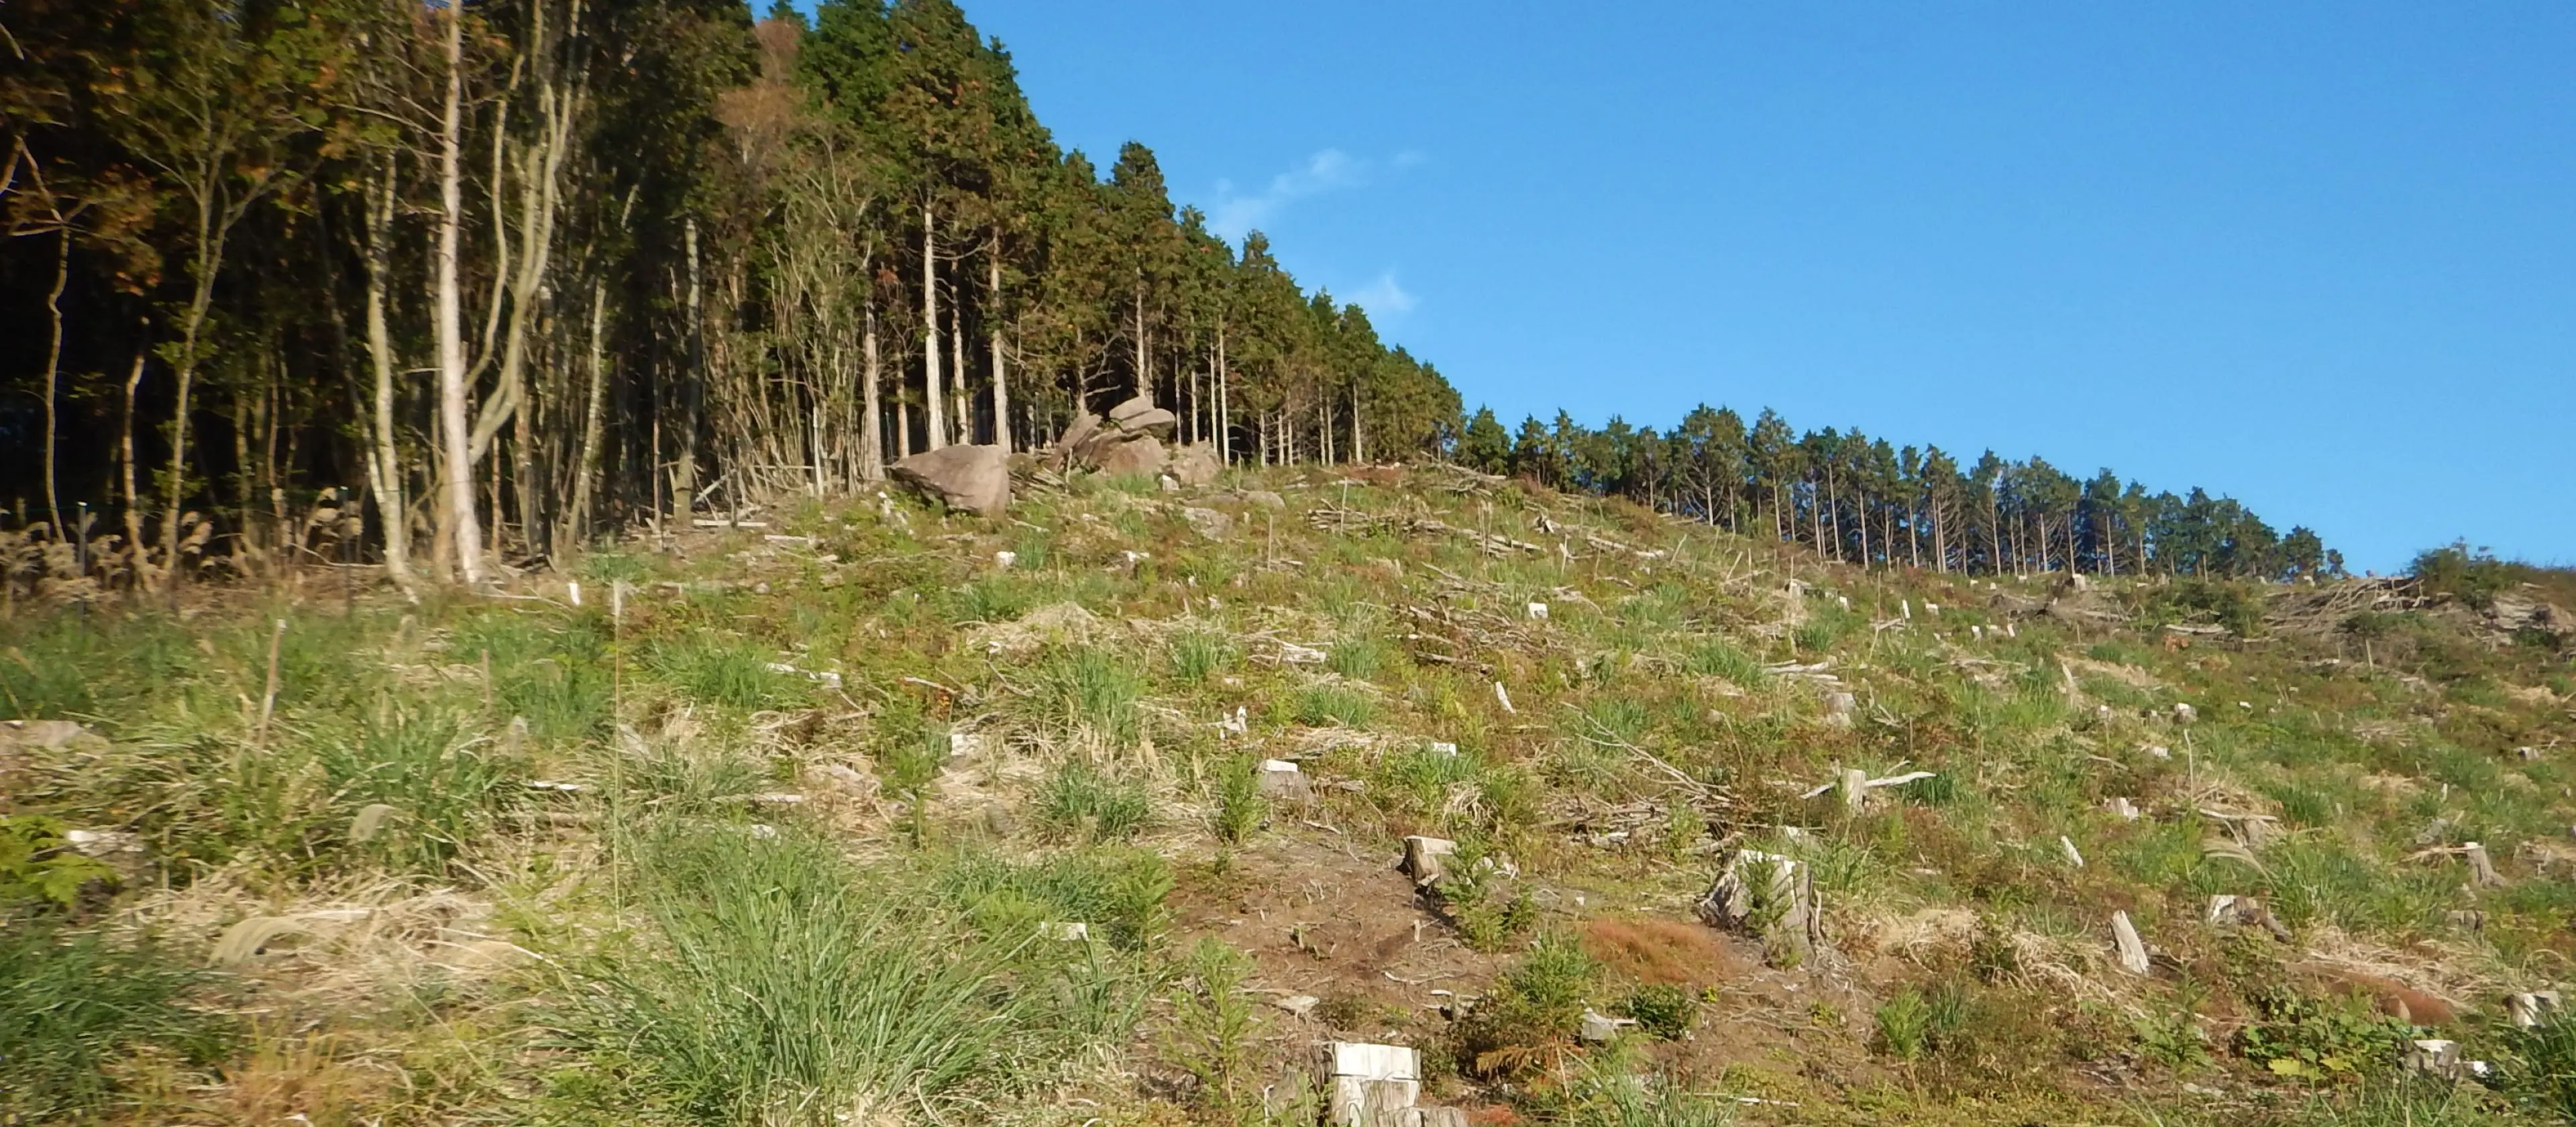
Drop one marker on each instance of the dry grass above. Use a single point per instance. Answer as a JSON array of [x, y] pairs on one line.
[[1661, 952]]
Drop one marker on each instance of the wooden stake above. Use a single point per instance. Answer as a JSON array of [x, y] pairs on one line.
[[268, 701]]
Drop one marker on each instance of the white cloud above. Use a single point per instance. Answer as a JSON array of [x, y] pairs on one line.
[[1326, 171], [1382, 296]]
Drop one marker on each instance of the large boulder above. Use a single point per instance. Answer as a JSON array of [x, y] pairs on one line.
[[1128, 441], [1138, 455], [1140, 416], [1195, 465], [970, 478]]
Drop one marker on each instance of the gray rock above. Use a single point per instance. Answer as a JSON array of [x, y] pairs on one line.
[[1138, 455], [52, 735], [1209, 523], [970, 478], [1266, 499], [1195, 465], [1140, 416], [1077, 431]]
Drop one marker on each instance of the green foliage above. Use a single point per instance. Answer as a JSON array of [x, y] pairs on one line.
[[2542, 1064], [782, 988], [1320, 705], [1077, 802], [444, 787], [1465, 790], [1487, 910], [1663, 1011], [71, 1005], [1913, 1023], [1092, 689], [1239, 805], [995, 598], [1356, 658], [1718, 657], [2227, 603], [1905, 1025], [67, 665], [1198, 656], [37, 864], [910, 755], [1213, 1031], [2472, 575], [734, 675], [1600, 1097], [1119, 892], [2170, 1035], [1531, 1015], [2309, 1038], [2405, 1101]]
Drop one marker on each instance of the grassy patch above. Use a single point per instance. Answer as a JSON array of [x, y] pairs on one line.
[[72, 1005]]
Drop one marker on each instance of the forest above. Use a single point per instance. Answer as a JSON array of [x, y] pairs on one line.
[[453, 289]]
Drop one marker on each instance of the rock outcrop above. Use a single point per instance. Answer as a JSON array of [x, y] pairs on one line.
[[968, 478], [1129, 441]]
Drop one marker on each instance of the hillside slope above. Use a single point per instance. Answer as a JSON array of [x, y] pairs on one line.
[[795, 824]]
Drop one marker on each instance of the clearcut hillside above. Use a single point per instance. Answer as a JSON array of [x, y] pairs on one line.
[[872, 814]]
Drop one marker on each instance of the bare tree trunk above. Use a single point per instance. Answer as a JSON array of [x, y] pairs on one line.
[[457, 473], [208, 261], [1144, 367], [872, 437], [594, 414], [993, 341], [1359, 450], [930, 392], [133, 500], [684, 466], [1224, 410], [53, 370], [957, 368], [384, 458]]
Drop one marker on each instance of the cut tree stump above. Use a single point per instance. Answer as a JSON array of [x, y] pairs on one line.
[[2529, 1010], [2133, 951], [1422, 857], [1374, 1085]]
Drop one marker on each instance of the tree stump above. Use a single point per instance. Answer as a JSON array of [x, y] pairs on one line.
[[2133, 951]]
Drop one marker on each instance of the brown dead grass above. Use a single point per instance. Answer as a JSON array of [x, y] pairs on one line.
[[1666, 952]]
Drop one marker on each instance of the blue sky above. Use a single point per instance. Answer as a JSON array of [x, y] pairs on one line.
[[2320, 257]]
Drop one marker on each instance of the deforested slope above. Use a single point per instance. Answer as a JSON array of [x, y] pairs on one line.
[[1128, 806]]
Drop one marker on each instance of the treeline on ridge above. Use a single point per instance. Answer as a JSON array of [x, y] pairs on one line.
[[451, 286], [1862, 500]]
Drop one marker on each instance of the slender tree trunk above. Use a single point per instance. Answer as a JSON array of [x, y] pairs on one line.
[[53, 371], [384, 457], [872, 460], [1144, 369], [930, 328], [245, 481], [594, 414], [993, 342], [1359, 448], [125, 450], [684, 465], [957, 366], [457, 472], [1224, 408]]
